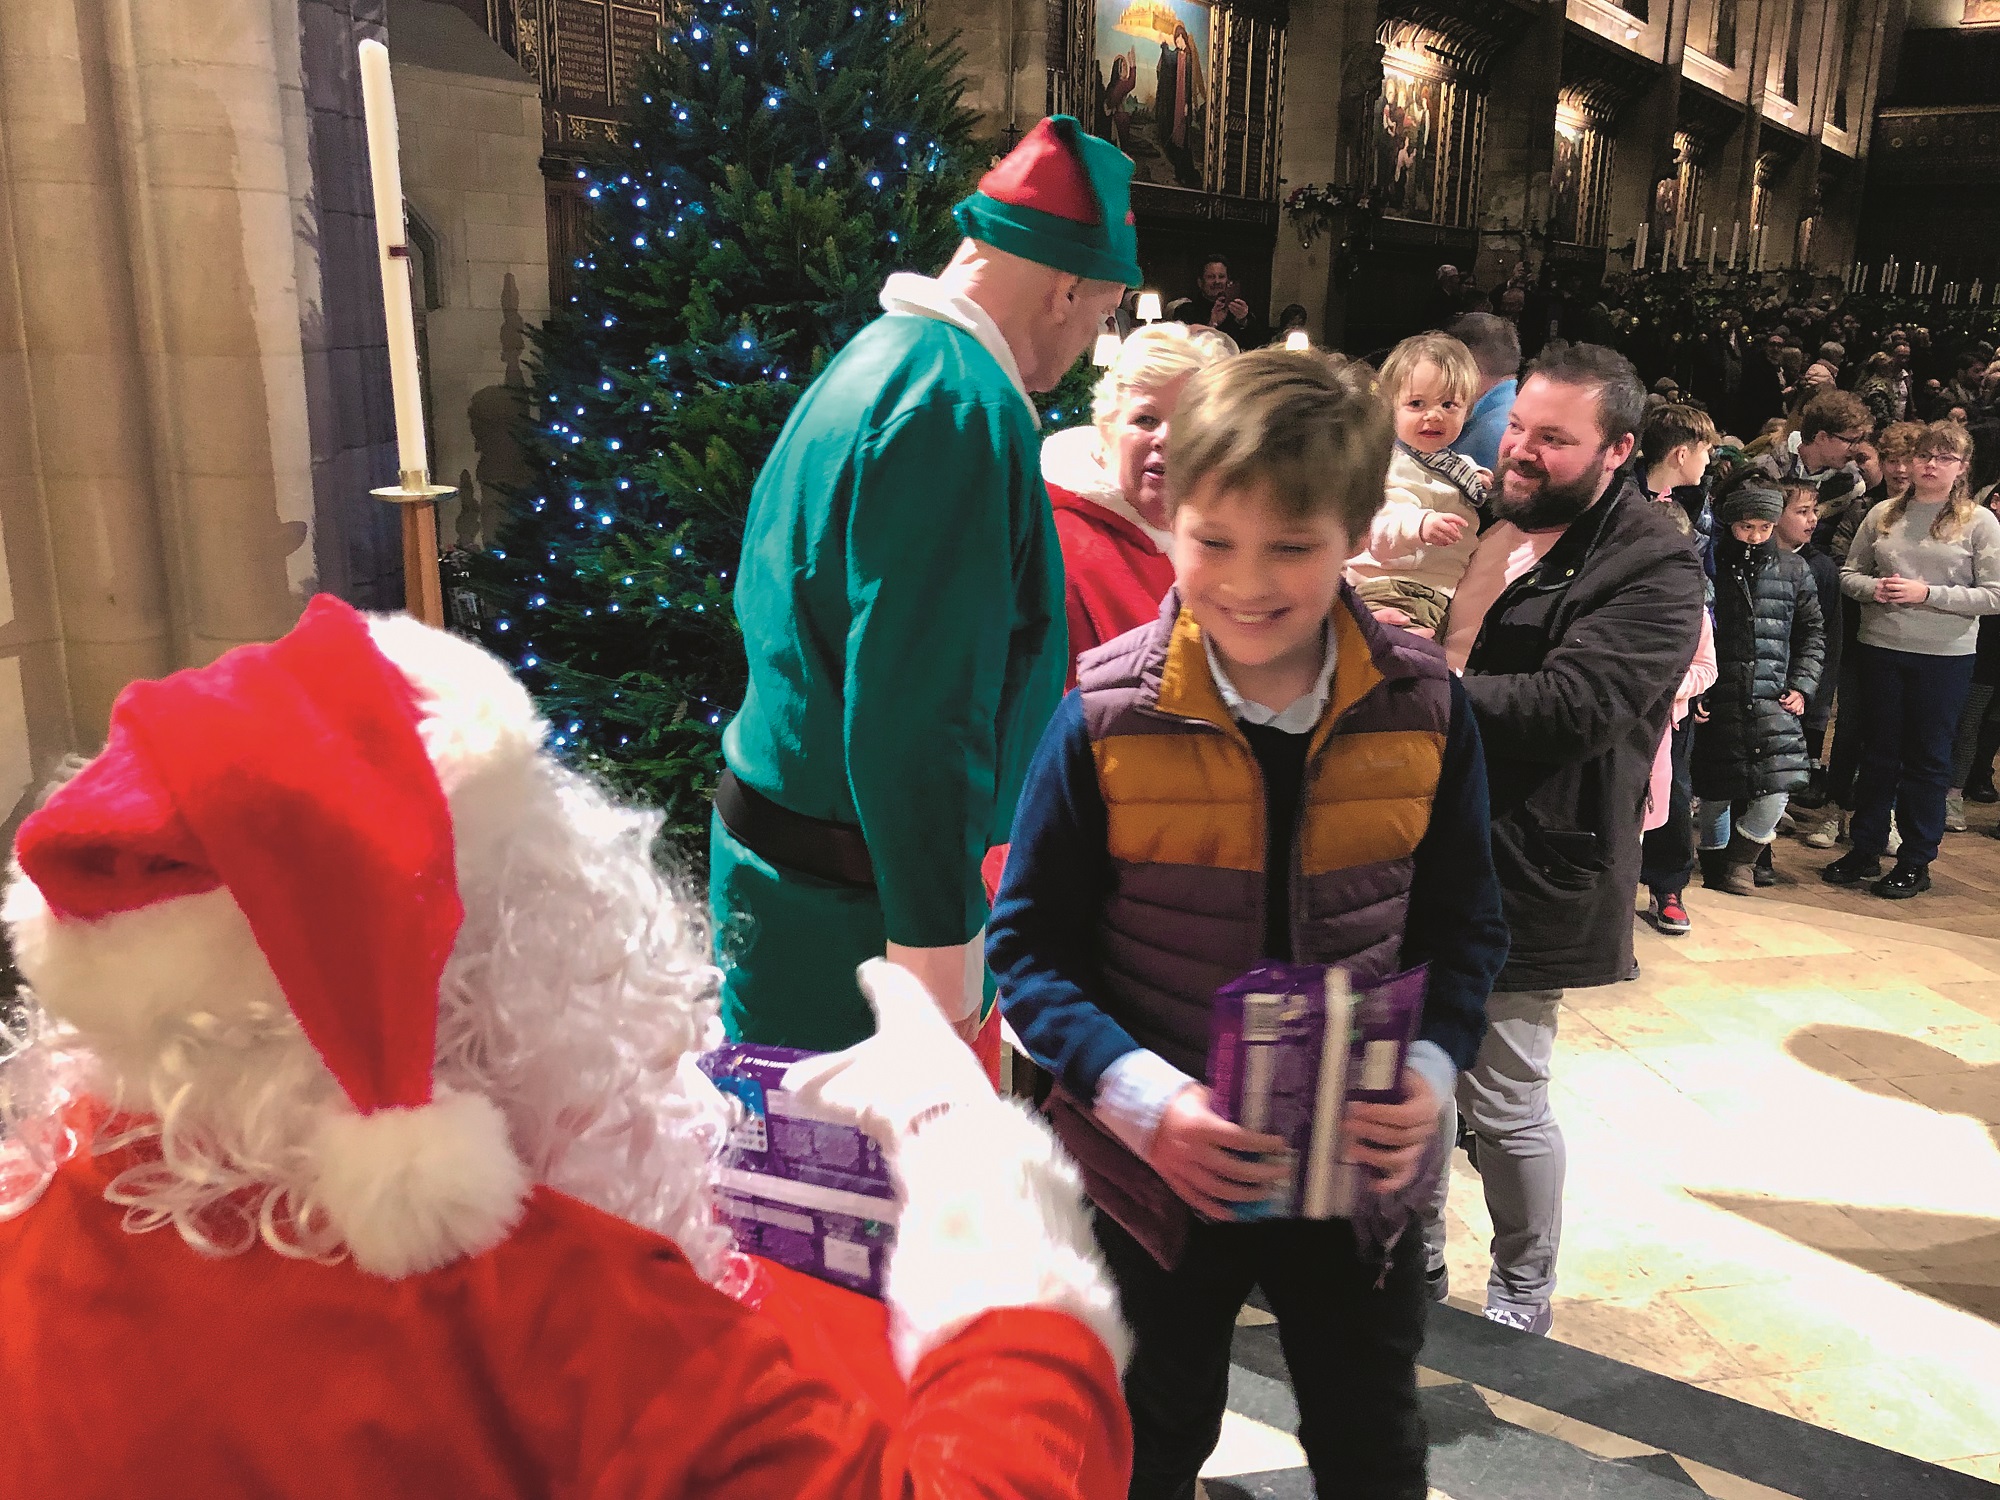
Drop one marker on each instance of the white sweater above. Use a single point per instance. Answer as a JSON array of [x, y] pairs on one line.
[[1964, 575], [1395, 546]]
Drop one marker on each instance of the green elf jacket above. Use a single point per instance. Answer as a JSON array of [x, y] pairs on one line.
[[901, 599]]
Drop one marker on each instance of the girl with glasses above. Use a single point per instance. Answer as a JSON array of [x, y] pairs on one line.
[[1924, 567]]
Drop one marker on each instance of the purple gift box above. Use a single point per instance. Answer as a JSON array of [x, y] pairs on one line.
[[1289, 1047], [798, 1186]]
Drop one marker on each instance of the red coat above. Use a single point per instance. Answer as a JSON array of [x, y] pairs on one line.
[[1114, 576], [582, 1357], [1114, 580]]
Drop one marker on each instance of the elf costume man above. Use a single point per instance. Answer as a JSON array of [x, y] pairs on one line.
[[901, 599], [388, 1017]]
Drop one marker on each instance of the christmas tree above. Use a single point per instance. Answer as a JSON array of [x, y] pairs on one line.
[[776, 162]]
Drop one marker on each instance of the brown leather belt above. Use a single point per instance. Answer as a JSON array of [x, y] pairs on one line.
[[829, 851]]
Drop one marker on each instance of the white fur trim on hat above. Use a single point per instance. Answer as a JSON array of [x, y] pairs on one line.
[[992, 1217], [410, 1190], [476, 717]]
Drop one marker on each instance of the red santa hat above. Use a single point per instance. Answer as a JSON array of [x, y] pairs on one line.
[[297, 777]]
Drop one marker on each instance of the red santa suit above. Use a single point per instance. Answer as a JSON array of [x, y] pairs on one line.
[[1115, 568], [1115, 565], [256, 891]]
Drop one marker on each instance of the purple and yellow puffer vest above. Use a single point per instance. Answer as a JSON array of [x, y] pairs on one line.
[[1185, 804]]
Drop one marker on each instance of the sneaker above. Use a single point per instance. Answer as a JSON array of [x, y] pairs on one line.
[[1954, 812], [1668, 915], [1825, 836], [1852, 868], [1536, 1320], [1902, 883], [1437, 1281]]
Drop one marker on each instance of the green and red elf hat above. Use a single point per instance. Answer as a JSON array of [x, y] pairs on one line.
[[1061, 198]]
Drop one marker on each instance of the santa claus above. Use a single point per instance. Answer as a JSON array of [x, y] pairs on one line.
[[365, 1029]]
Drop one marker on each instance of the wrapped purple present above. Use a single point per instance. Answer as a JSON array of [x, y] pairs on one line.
[[1289, 1046], [797, 1186]]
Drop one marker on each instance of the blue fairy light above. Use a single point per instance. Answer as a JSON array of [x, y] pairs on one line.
[[638, 202], [503, 625], [605, 519], [538, 600], [602, 385], [576, 502]]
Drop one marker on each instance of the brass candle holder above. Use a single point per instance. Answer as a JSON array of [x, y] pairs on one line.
[[423, 590]]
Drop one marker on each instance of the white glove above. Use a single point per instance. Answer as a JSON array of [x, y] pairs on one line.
[[914, 1067], [992, 1211]]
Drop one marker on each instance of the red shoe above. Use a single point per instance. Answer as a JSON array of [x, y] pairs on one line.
[[1669, 916]]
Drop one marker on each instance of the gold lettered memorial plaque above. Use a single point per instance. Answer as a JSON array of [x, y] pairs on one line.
[[635, 31], [583, 55]]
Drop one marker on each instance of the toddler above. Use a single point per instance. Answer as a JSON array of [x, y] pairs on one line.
[[1423, 536]]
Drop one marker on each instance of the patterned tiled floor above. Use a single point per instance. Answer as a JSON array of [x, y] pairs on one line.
[[1784, 1190]]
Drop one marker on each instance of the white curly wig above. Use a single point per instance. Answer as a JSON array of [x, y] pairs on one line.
[[575, 997]]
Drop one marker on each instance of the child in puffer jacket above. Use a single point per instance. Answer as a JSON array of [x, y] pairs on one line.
[[1750, 754], [1422, 538]]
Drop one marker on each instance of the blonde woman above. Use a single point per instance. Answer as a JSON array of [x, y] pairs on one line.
[[1924, 566], [1108, 484]]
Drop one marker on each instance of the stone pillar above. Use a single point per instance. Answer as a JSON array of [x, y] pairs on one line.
[[199, 129], [1006, 61], [357, 540], [471, 124], [1520, 158], [156, 492], [84, 549], [1764, 22], [1332, 67]]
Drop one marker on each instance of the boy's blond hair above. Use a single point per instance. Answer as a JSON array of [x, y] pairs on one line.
[[1307, 423], [1451, 359]]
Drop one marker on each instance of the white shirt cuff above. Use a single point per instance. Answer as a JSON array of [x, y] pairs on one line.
[[1133, 1093], [1434, 1065]]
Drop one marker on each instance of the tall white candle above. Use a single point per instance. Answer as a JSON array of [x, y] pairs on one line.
[[1735, 229], [378, 103], [1931, 285], [1975, 291], [1714, 240], [1639, 246]]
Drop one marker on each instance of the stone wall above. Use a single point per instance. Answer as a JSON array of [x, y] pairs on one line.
[[156, 477], [472, 138]]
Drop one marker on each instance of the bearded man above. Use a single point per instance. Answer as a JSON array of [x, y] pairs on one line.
[[1573, 625]]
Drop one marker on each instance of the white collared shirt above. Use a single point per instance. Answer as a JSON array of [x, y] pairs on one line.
[[1298, 716], [926, 297]]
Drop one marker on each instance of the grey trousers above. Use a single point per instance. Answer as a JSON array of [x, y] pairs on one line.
[[1505, 1100]]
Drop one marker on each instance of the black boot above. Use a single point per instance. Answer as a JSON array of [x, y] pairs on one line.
[[1713, 865], [1739, 865], [1979, 781], [1762, 871]]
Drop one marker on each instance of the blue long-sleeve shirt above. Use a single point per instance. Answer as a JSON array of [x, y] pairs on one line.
[[1042, 938], [1480, 441]]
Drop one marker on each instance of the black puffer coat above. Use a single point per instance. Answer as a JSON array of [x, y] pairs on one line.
[[1770, 639]]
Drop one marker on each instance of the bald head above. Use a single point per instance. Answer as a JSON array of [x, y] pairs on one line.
[[1048, 317]]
